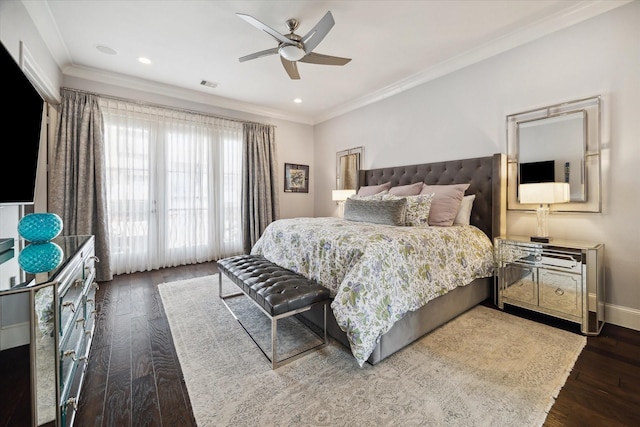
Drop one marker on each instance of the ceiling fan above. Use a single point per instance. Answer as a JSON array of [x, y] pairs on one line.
[[292, 48]]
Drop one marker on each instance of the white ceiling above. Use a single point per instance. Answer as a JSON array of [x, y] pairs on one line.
[[394, 45]]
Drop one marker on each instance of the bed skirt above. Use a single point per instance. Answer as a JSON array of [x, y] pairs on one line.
[[415, 323]]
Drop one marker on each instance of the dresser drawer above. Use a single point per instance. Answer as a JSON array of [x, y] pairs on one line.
[[70, 399], [71, 293], [72, 352], [89, 265], [90, 307]]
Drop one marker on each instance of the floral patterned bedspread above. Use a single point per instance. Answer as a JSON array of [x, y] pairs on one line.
[[377, 273]]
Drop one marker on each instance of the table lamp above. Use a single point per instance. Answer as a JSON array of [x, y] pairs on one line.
[[543, 194]]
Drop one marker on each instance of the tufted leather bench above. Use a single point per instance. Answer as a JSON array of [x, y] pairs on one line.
[[277, 291]]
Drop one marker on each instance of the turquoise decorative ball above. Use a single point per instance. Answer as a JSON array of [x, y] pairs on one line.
[[40, 227], [40, 257]]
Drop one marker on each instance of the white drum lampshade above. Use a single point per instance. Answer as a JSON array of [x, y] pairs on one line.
[[543, 194]]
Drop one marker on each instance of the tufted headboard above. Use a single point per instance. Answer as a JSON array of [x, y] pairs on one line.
[[486, 175]]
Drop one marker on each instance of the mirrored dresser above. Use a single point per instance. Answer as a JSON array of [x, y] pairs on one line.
[[563, 279], [61, 307]]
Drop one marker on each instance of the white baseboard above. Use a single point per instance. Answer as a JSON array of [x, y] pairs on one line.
[[622, 316], [14, 335]]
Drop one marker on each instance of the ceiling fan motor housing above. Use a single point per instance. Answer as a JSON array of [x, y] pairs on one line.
[[292, 52], [292, 48]]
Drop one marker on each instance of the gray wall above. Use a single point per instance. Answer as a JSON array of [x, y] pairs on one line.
[[463, 115]]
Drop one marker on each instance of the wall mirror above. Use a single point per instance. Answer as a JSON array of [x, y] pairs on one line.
[[557, 143], [348, 165]]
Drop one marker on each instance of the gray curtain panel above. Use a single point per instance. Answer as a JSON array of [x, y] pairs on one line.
[[260, 204], [77, 191]]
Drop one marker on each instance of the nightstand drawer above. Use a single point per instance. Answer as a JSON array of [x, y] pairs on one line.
[[520, 283], [536, 255], [561, 292]]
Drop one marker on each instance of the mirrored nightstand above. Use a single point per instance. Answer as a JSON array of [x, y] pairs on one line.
[[561, 278]]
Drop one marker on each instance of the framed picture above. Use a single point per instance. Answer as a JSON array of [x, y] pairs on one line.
[[296, 178]]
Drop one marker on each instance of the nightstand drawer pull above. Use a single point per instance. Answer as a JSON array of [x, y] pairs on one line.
[[559, 292]]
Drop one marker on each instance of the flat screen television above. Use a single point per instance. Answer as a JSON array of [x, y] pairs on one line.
[[21, 121], [533, 172]]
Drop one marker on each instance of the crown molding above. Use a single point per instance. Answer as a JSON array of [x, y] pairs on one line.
[[135, 83], [41, 15], [578, 13]]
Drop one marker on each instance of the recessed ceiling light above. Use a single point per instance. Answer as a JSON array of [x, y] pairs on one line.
[[297, 101], [106, 50], [144, 60]]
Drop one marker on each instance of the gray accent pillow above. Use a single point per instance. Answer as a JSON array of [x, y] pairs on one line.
[[387, 212]]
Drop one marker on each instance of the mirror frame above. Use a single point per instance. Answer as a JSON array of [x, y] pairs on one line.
[[340, 180], [591, 107]]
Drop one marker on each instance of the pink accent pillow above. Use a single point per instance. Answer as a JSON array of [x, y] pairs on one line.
[[407, 190], [445, 204], [369, 190]]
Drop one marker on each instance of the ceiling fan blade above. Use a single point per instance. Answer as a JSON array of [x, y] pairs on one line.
[[291, 68], [259, 25], [318, 58], [259, 54], [317, 33]]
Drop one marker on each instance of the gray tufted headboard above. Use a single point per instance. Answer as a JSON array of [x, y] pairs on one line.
[[487, 176]]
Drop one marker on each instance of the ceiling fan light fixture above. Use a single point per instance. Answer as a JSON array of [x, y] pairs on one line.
[[291, 52]]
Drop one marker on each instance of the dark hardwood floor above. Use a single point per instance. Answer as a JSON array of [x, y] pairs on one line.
[[135, 378]]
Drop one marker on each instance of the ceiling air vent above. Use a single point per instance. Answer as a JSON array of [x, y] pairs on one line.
[[207, 83]]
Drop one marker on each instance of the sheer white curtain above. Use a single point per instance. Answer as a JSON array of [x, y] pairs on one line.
[[174, 186]]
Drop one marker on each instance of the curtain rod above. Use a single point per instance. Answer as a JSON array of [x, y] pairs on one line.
[[151, 104]]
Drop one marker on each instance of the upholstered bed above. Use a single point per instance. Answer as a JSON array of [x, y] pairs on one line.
[[377, 272]]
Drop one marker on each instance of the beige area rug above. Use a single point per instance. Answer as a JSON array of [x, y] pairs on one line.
[[484, 368]]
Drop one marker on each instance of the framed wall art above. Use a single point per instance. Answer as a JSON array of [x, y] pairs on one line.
[[296, 178]]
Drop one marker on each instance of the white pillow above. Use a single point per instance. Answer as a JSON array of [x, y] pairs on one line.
[[463, 217]]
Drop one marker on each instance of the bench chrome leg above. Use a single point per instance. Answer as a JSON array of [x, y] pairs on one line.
[[275, 363], [273, 359], [237, 294], [274, 343]]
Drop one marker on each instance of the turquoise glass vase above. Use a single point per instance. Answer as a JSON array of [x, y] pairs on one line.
[[40, 227], [40, 257]]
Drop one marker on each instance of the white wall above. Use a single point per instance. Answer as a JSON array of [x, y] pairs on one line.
[[463, 115]]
